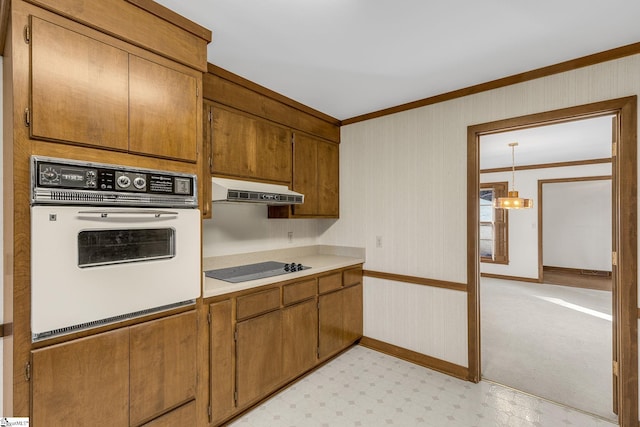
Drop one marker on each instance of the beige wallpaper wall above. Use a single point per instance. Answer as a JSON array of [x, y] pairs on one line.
[[403, 178]]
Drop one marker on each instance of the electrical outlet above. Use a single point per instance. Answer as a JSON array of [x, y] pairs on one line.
[[290, 236], [378, 241]]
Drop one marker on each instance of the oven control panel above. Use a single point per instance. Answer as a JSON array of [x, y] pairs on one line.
[[74, 182]]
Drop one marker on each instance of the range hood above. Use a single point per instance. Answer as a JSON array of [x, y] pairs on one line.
[[232, 190]]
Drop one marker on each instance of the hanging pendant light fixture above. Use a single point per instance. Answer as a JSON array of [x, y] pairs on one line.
[[512, 201]]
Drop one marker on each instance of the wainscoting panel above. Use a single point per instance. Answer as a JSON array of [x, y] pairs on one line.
[[428, 320]]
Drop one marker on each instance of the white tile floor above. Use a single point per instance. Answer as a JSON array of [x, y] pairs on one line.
[[366, 388]]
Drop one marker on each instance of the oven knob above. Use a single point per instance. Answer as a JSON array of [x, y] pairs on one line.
[[49, 175], [300, 267], [286, 267], [124, 181], [91, 179], [139, 182]]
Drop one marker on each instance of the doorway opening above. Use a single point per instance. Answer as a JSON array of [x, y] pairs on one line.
[[624, 243], [574, 231], [540, 336]]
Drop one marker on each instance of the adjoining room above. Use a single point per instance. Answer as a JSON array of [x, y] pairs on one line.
[[546, 300]]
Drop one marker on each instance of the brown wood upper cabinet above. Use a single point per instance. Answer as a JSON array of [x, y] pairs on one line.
[[316, 173], [243, 146], [163, 110], [91, 90], [79, 88], [241, 111]]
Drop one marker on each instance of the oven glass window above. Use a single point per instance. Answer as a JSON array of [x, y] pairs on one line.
[[103, 247]]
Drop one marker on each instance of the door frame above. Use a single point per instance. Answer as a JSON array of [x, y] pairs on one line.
[[624, 173]]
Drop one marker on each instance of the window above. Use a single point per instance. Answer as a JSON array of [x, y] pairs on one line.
[[494, 224]]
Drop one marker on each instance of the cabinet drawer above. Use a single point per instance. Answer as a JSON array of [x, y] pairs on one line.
[[260, 302], [330, 282], [353, 276], [298, 291]]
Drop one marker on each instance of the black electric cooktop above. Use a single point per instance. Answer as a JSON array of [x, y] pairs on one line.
[[245, 273]]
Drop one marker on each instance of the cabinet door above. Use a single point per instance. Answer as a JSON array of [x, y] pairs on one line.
[[222, 374], [84, 382], [352, 321], [305, 173], [205, 182], [300, 338], [163, 109], [163, 365], [79, 88], [247, 147], [273, 152], [330, 326], [258, 357], [230, 144], [316, 175], [328, 179]]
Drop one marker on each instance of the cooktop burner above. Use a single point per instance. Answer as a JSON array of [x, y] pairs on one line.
[[245, 273]]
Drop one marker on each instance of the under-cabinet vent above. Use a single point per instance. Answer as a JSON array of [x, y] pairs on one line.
[[231, 190]]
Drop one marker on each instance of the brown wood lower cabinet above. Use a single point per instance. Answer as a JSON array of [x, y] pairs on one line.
[[222, 374], [340, 320], [182, 416], [84, 382], [124, 377], [259, 341], [258, 357], [299, 338], [330, 314], [352, 321], [162, 366]]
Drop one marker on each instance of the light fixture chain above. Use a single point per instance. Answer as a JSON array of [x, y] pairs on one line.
[[513, 167]]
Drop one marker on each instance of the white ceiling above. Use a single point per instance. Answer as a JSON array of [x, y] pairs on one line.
[[577, 140], [351, 57]]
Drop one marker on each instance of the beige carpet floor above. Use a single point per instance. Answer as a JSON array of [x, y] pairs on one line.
[[550, 341]]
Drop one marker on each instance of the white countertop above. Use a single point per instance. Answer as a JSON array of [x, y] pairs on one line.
[[320, 258]]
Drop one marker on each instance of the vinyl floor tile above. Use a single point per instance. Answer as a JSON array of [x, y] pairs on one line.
[[365, 388]]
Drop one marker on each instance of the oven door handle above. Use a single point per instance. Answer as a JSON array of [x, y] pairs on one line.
[[104, 213]]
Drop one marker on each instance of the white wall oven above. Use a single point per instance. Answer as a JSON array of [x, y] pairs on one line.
[[109, 243]]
